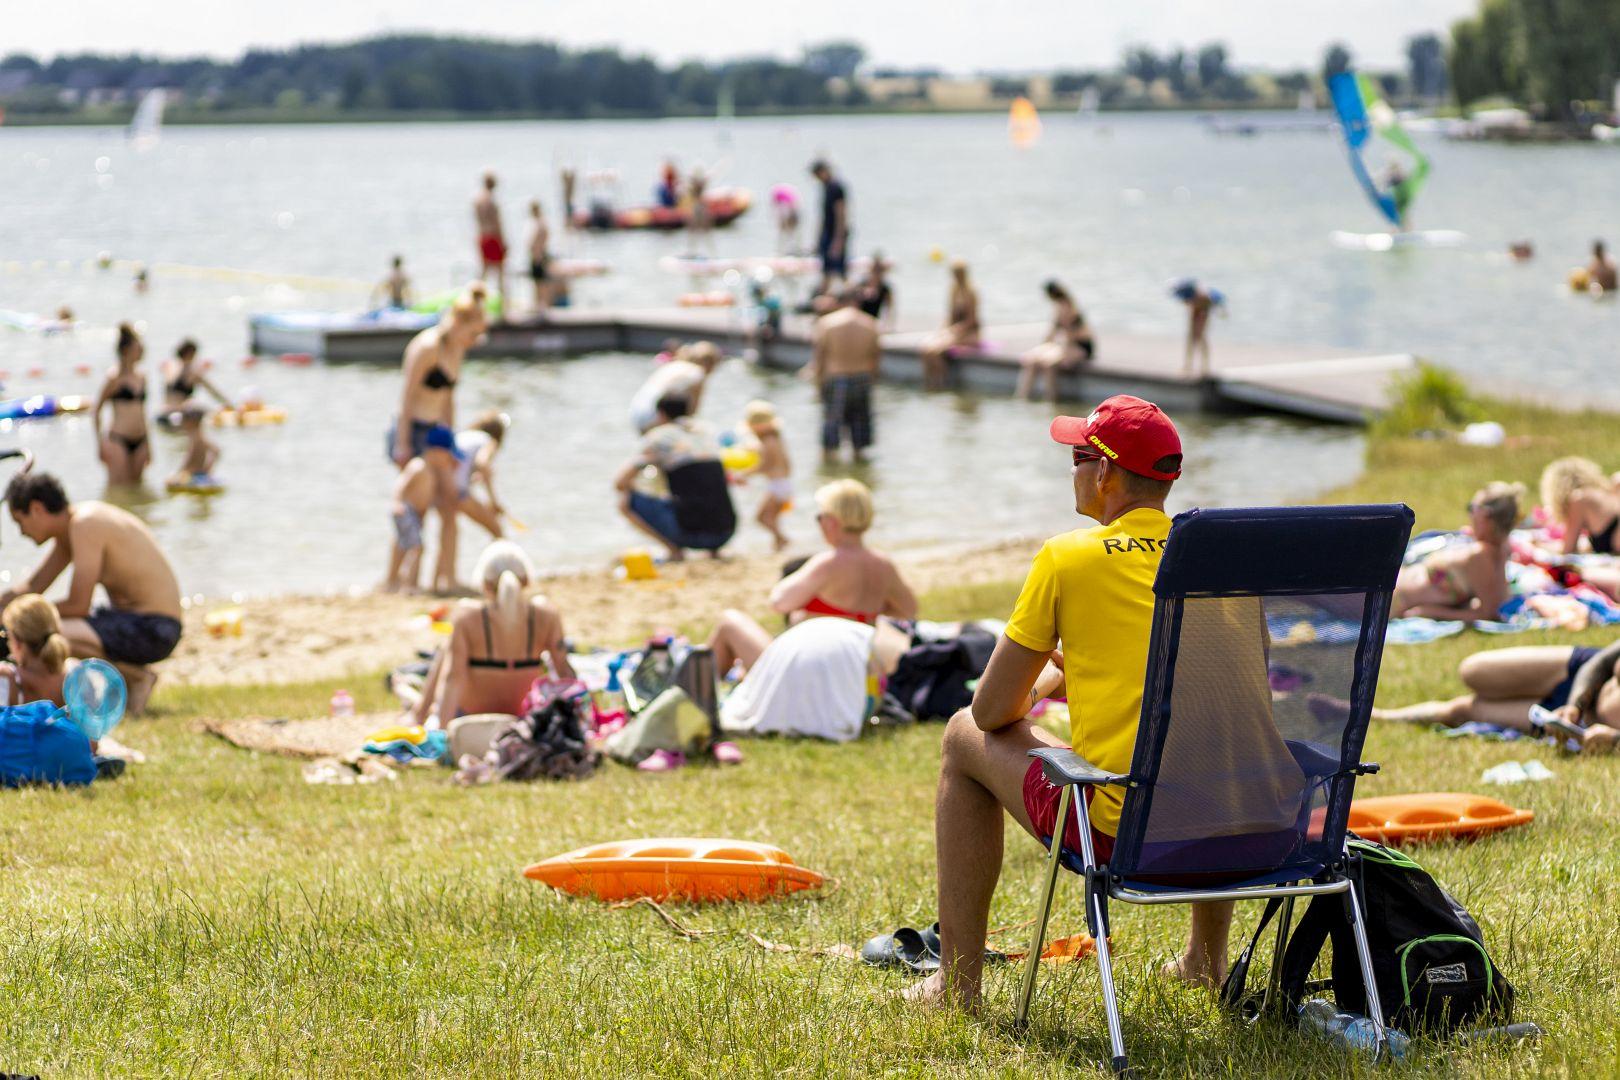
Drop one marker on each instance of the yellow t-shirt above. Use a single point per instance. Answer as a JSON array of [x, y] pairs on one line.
[[1092, 590]]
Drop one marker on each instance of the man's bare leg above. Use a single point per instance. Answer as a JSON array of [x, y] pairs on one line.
[[85, 644], [1204, 962], [981, 776]]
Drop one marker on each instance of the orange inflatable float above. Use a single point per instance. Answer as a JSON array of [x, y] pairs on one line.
[[1395, 819], [680, 868]]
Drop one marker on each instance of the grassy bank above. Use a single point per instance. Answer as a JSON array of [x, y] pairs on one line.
[[211, 914]]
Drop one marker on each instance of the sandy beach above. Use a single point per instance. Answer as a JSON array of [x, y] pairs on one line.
[[299, 638]]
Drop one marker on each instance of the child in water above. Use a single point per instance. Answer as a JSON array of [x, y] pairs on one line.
[[202, 454], [415, 490], [773, 465]]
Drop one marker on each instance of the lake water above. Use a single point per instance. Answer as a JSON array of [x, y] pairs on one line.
[[1113, 209]]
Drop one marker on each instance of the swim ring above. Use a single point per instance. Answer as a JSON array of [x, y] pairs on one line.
[[685, 868]]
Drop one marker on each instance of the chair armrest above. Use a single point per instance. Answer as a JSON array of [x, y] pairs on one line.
[[1064, 767]]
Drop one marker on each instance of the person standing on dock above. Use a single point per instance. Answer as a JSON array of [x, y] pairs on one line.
[[393, 291], [539, 256], [833, 243], [845, 353], [1201, 301], [491, 239]]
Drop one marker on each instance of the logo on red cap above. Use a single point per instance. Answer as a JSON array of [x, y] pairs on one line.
[[1132, 433]]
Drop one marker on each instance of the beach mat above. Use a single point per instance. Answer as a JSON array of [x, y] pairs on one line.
[[313, 737]]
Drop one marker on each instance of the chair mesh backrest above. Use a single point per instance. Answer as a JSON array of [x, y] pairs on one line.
[[1267, 631]]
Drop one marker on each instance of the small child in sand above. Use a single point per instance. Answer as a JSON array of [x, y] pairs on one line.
[[415, 490], [478, 446], [202, 454], [761, 418]]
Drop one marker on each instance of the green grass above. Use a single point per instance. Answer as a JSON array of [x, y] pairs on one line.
[[211, 914]]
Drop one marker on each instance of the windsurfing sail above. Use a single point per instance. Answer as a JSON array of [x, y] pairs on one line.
[[148, 122], [1361, 114], [1023, 123], [1090, 101]]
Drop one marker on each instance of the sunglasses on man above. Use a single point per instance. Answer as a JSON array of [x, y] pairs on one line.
[[1082, 455]]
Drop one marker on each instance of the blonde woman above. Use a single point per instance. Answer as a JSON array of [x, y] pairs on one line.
[[124, 446], [432, 365], [498, 645], [847, 581], [961, 329], [1466, 582], [39, 652], [1581, 498]]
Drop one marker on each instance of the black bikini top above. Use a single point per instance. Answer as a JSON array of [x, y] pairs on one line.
[[489, 661], [124, 393], [436, 379], [181, 387]]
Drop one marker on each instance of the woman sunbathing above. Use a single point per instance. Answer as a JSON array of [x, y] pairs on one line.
[[1466, 582], [1582, 499], [498, 646], [1576, 683], [848, 581]]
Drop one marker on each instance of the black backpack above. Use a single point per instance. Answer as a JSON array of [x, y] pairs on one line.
[[1428, 955]]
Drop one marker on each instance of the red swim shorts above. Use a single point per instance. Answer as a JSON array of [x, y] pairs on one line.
[[1041, 804], [493, 251]]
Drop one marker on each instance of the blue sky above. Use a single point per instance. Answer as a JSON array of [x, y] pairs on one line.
[[957, 35]]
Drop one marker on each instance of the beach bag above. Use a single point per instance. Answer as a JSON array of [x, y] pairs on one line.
[[931, 680], [1429, 959], [547, 744], [672, 721], [40, 745]]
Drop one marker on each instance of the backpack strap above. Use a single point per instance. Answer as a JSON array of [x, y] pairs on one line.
[[1237, 976]]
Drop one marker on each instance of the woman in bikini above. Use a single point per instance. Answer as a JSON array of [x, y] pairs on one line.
[[1068, 345], [1581, 499], [124, 447], [961, 328], [848, 581], [498, 645], [432, 365], [181, 380], [1466, 582]]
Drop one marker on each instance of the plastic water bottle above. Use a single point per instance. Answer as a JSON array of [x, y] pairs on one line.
[[342, 703], [1347, 1030]]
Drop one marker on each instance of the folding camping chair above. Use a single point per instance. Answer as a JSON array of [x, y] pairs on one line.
[[1268, 626]]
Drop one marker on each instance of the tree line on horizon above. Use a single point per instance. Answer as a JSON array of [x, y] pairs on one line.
[[420, 74], [1553, 55]]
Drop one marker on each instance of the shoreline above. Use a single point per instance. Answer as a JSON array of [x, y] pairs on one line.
[[294, 638]]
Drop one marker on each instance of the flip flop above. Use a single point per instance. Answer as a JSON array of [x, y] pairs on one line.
[[902, 949], [662, 761], [930, 938], [727, 753]]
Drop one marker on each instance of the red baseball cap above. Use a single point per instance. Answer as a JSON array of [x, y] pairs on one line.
[[1132, 433]]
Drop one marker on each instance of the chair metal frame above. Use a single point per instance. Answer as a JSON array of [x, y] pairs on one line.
[[1381, 533]]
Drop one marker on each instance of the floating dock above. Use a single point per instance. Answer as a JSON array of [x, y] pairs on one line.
[[1320, 383]]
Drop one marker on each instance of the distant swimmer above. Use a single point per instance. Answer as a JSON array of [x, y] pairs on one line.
[[1522, 250], [668, 189], [141, 280], [699, 223], [124, 446], [539, 255], [182, 379], [1600, 272], [394, 290], [202, 454], [491, 239]]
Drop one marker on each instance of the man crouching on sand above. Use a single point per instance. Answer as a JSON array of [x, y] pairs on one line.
[[105, 546], [1083, 621]]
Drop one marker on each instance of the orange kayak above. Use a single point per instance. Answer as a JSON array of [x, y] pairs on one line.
[[1394, 819], [681, 868]]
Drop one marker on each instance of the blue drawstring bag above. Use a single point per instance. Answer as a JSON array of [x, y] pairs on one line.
[[40, 745]]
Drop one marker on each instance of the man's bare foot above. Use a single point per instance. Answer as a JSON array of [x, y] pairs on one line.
[[932, 993], [138, 681], [1190, 971]]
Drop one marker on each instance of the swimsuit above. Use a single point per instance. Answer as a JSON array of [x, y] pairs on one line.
[[130, 444], [492, 248], [124, 393], [180, 388], [818, 606], [408, 528], [1558, 696], [134, 637], [1603, 542], [779, 488], [489, 660], [436, 379], [1452, 581]]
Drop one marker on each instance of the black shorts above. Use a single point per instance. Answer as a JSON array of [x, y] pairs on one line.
[[833, 265], [1558, 696], [537, 270], [134, 637]]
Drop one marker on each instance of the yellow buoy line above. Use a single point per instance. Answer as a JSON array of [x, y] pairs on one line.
[[173, 269]]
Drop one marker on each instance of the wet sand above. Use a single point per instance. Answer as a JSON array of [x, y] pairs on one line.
[[302, 638]]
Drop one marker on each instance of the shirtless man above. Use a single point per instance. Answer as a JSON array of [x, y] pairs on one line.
[[491, 239], [394, 290], [1601, 270], [110, 547], [845, 353]]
